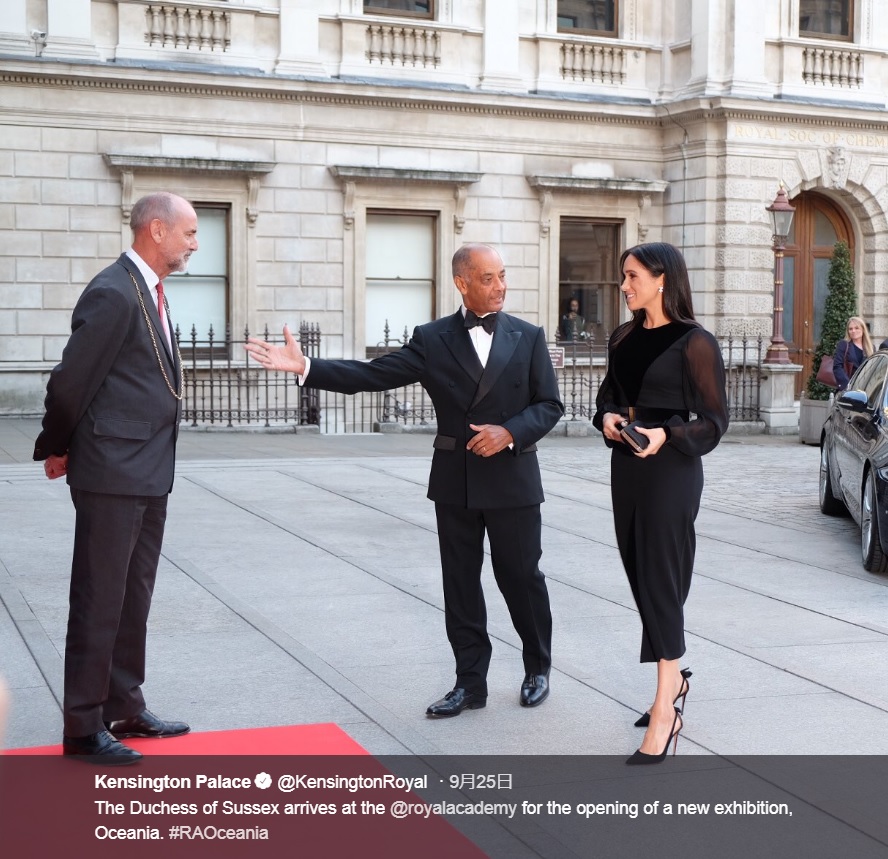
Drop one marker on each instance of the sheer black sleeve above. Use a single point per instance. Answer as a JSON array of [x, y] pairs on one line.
[[607, 399], [704, 392]]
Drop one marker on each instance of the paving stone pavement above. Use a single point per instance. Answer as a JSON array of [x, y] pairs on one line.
[[300, 583]]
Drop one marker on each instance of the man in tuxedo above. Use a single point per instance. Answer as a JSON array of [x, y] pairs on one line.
[[113, 405], [491, 380]]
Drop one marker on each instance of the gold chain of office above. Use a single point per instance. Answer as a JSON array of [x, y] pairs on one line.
[[154, 343]]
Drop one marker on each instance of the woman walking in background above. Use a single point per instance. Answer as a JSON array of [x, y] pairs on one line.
[[666, 373], [851, 351]]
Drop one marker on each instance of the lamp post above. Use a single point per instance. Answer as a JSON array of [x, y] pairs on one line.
[[780, 213]]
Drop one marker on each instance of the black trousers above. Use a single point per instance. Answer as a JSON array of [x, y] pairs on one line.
[[655, 503], [514, 535], [117, 541]]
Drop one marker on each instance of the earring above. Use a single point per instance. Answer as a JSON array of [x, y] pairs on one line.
[[660, 289]]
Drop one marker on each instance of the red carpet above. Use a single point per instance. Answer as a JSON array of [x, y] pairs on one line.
[[326, 796], [323, 739]]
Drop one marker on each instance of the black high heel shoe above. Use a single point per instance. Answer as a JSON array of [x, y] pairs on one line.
[[640, 757], [645, 719]]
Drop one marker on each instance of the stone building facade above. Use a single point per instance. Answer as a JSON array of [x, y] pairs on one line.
[[340, 150]]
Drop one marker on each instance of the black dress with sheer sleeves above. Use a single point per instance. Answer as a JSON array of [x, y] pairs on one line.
[[671, 376]]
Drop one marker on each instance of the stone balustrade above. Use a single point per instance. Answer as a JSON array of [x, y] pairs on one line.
[[403, 46], [193, 28], [582, 61], [831, 67]]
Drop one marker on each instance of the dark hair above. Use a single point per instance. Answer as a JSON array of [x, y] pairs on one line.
[[661, 258]]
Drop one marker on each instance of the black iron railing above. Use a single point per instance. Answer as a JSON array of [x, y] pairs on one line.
[[224, 387]]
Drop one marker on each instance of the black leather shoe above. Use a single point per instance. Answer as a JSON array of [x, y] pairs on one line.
[[100, 748], [534, 690], [455, 701], [146, 724]]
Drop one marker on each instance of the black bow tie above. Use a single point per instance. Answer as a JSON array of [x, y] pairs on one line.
[[488, 322]]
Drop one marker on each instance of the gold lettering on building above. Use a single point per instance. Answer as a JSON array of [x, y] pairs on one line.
[[807, 136]]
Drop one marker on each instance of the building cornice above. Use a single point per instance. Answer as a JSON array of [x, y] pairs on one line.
[[129, 165], [547, 185], [339, 92], [246, 84], [350, 175]]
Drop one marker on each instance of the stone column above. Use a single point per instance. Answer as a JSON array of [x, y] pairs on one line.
[[501, 66], [777, 398], [69, 29], [14, 35], [748, 35], [299, 33], [708, 43]]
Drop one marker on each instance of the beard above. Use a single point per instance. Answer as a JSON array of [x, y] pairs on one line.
[[179, 263]]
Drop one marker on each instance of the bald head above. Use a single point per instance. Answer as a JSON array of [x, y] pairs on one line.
[[462, 259], [164, 229], [480, 276]]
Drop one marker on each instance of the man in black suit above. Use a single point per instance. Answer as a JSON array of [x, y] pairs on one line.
[[113, 405], [491, 380]]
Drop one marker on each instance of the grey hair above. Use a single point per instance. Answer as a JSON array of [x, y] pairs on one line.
[[161, 205], [462, 259]]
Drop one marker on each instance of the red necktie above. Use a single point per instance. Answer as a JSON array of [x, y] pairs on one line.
[[162, 311]]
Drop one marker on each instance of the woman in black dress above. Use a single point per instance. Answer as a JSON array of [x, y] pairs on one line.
[[666, 372]]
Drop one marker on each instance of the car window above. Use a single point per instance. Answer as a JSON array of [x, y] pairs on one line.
[[870, 378], [861, 375]]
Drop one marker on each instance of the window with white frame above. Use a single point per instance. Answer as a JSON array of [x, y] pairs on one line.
[[199, 296], [826, 19], [588, 17], [410, 8], [400, 275]]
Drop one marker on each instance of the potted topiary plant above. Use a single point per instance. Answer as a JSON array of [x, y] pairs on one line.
[[841, 304]]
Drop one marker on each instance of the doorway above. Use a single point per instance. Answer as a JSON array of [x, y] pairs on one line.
[[817, 225]]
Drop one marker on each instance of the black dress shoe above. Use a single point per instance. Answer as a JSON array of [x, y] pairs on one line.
[[534, 690], [146, 724], [100, 748], [455, 701]]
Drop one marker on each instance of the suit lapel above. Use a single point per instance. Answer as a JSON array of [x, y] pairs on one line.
[[505, 341], [150, 307], [457, 340]]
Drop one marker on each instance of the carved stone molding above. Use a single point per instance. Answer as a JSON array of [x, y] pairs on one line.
[[547, 185], [460, 193], [348, 208], [644, 203], [837, 159], [349, 176], [128, 165], [545, 209]]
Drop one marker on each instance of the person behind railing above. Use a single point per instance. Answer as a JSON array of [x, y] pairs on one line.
[[573, 326], [491, 380], [663, 367], [851, 350]]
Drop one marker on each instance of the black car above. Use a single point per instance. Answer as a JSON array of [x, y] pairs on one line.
[[854, 458]]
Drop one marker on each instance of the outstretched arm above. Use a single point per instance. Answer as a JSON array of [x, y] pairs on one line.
[[288, 358]]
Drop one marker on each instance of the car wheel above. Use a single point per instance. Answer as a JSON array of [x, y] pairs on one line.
[[874, 558], [829, 504]]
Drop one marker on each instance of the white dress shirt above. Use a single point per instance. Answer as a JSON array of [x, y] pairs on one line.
[[151, 280]]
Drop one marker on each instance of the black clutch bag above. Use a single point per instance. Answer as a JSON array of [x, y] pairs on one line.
[[630, 434]]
